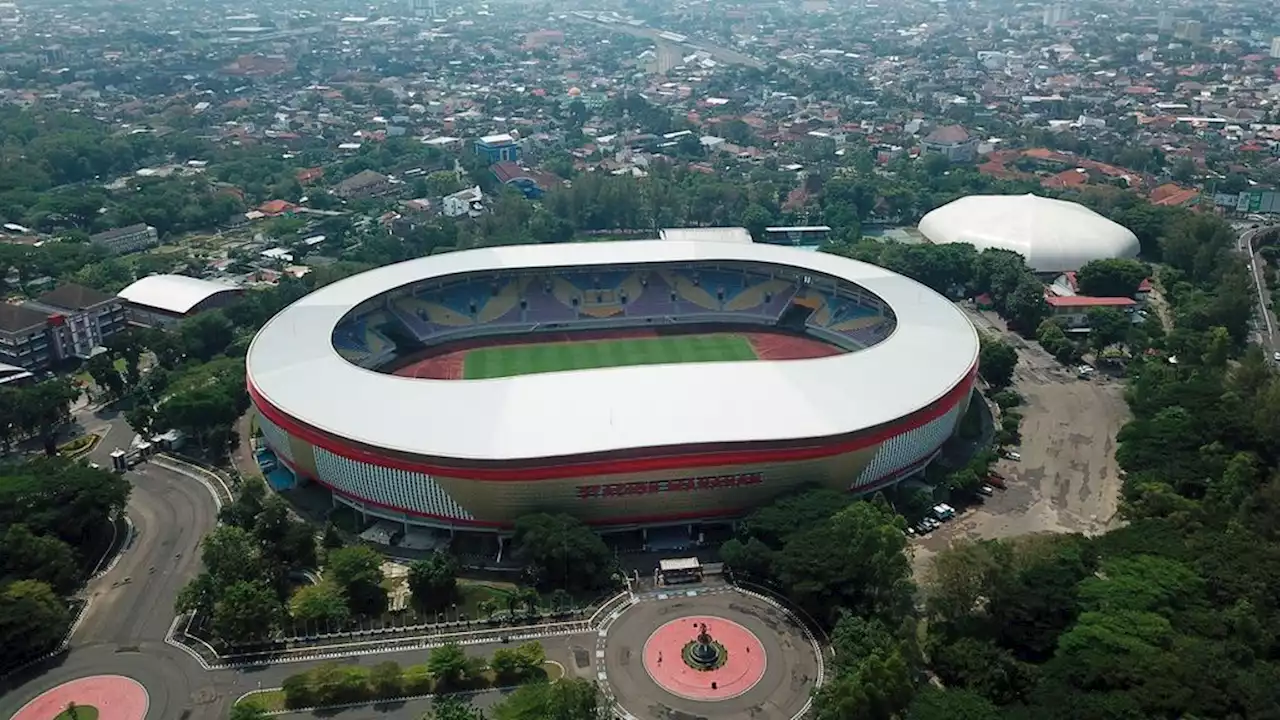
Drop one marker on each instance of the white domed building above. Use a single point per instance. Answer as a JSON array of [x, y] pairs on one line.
[[1053, 235]]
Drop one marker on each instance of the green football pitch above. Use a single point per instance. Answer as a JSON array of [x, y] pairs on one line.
[[493, 362]]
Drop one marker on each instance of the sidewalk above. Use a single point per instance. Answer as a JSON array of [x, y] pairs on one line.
[[245, 463]]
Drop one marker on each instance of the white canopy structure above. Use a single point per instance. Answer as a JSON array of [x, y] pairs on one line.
[[1053, 235], [176, 294]]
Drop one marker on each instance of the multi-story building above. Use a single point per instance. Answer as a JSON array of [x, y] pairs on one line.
[[952, 141], [24, 338], [127, 239], [77, 319], [1187, 30], [1275, 47], [496, 148]]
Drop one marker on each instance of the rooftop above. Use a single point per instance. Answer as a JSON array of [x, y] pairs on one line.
[[71, 296], [14, 318], [295, 372]]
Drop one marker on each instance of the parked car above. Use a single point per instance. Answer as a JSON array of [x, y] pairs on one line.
[[1011, 455], [987, 490], [996, 480]]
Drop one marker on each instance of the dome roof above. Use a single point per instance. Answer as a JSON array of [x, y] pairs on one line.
[[1053, 235], [574, 92]]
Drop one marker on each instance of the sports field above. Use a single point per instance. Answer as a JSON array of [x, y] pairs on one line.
[[493, 362]]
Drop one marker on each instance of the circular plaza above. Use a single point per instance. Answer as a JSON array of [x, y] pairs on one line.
[[710, 653], [100, 697]]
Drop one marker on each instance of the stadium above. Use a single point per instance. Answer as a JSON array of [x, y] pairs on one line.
[[629, 384]]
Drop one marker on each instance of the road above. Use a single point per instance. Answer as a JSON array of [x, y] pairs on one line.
[[131, 610], [124, 627], [1246, 243]]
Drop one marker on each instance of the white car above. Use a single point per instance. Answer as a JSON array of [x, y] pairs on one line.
[[1275, 356], [1013, 455], [987, 490]]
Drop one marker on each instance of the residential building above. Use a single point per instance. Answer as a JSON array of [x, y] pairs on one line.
[[952, 141], [1275, 47], [127, 239], [1073, 310], [464, 202], [363, 185], [24, 338], [529, 182], [496, 148]]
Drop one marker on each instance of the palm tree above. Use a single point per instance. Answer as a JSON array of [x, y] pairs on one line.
[[71, 711], [487, 607]]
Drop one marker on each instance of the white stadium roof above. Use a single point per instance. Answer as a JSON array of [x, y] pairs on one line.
[[172, 293], [1053, 235], [293, 366]]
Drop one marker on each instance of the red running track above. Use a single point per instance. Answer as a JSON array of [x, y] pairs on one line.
[[743, 668], [116, 697]]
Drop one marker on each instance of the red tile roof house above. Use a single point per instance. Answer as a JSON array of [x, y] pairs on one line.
[[1073, 310]]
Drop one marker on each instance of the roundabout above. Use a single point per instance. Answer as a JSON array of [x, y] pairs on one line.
[[722, 660], [708, 653], [99, 697]]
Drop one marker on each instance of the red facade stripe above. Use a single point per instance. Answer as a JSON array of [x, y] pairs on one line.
[[651, 519], [594, 468]]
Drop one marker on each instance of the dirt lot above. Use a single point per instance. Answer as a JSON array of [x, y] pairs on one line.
[[1067, 480]]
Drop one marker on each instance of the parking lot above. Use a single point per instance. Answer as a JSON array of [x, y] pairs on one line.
[[1067, 479]]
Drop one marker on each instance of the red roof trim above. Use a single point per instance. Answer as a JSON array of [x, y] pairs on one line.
[[560, 468]]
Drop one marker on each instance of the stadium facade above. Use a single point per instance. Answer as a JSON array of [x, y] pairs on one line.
[[617, 446]]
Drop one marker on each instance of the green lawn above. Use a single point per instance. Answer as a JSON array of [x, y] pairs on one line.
[[496, 362], [83, 712]]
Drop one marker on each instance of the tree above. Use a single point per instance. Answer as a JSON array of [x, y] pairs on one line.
[[246, 612], [101, 368], [1113, 277], [433, 580], [231, 555], [60, 498], [323, 604], [1107, 326], [856, 561], [516, 664], [206, 335], [248, 711], [449, 665], [932, 703], [567, 699], [559, 550], [32, 619], [357, 570], [24, 556], [386, 680], [996, 361], [448, 707]]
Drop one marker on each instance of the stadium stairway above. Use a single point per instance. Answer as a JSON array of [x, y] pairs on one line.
[[693, 293], [506, 301], [435, 313], [754, 295]]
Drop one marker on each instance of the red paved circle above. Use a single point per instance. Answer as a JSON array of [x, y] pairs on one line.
[[116, 697], [743, 668]]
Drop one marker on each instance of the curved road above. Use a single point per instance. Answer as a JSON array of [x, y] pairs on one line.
[[131, 610], [124, 627]]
